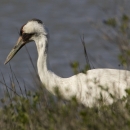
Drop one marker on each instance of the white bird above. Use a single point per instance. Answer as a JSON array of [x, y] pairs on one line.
[[87, 88]]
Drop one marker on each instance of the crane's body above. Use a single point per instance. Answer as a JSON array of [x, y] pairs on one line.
[[87, 88]]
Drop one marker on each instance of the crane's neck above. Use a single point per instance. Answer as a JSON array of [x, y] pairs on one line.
[[48, 78], [42, 43], [66, 86]]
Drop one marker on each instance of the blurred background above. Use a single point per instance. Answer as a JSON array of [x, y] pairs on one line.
[[66, 21]]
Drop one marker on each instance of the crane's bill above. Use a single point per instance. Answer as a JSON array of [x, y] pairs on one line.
[[17, 47]]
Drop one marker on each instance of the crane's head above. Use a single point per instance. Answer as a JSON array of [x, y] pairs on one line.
[[28, 32]]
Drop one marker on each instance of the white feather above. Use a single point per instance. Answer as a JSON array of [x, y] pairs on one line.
[[86, 87]]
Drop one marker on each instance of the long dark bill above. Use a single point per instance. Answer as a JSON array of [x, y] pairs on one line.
[[17, 47]]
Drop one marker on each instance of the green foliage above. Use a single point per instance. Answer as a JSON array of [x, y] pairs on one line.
[[122, 24], [111, 22], [75, 67], [121, 27], [86, 68], [122, 60], [32, 114]]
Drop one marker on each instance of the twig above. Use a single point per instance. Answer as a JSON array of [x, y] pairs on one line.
[[30, 59], [15, 78], [85, 52], [6, 86]]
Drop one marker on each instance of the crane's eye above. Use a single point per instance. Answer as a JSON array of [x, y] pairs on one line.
[[27, 36]]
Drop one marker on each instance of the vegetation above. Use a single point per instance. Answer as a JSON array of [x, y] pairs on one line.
[[120, 28], [40, 110]]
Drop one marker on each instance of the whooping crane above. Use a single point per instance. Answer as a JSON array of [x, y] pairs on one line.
[[85, 87]]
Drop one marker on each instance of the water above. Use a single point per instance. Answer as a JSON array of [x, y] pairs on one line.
[[66, 21]]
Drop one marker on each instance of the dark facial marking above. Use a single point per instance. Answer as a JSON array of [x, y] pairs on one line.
[[27, 36]]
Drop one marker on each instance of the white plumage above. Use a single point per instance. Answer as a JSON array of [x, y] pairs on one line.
[[86, 87]]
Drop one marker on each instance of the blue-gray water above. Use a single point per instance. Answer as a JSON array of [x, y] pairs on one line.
[[66, 21]]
